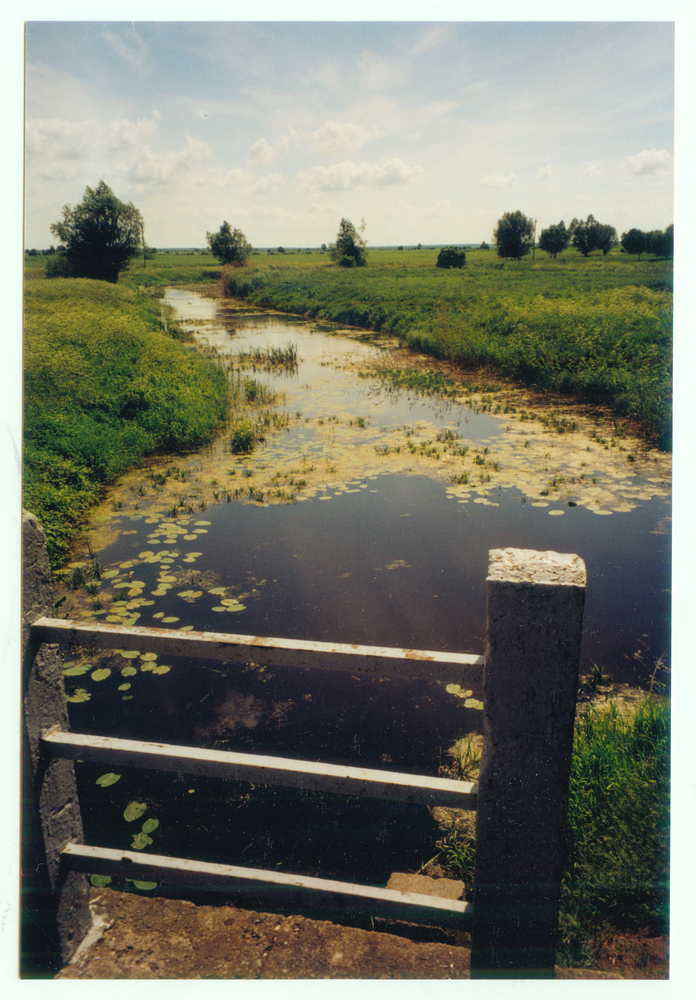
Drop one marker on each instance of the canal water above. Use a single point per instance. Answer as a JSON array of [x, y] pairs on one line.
[[366, 515]]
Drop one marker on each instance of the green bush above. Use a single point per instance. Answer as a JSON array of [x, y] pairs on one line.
[[451, 257]]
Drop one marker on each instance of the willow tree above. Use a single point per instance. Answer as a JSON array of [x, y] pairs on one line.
[[99, 236]]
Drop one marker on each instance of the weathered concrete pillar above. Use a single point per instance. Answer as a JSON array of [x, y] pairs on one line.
[[51, 808], [534, 614]]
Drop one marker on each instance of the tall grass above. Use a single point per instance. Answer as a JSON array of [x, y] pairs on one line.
[[104, 386], [618, 821]]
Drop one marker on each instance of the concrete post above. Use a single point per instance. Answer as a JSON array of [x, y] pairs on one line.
[[534, 614], [51, 808]]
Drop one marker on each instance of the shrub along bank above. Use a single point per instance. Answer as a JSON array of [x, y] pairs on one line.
[[104, 386]]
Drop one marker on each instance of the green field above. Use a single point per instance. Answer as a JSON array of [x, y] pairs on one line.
[[104, 386], [597, 327]]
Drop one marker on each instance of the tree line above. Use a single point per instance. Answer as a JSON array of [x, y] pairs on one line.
[[514, 237], [100, 236]]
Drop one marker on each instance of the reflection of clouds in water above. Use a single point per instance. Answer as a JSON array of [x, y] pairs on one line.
[[240, 711], [236, 710]]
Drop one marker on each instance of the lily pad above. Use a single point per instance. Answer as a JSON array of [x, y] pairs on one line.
[[101, 674], [128, 671], [150, 824], [78, 695], [171, 618], [140, 840], [129, 654], [100, 880], [161, 669], [148, 656], [124, 687], [108, 779], [81, 668], [134, 810], [139, 884]]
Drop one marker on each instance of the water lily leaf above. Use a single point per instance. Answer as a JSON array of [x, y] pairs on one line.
[[217, 590], [190, 538], [158, 614], [473, 703], [149, 825], [129, 654], [78, 695], [101, 674], [81, 668], [100, 880], [125, 687], [108, 779], [161, 669], [171, 618], [457, 690], [139, 884], [140, 840], [109, 574], [128, 671], [134, 810], [148, 656]]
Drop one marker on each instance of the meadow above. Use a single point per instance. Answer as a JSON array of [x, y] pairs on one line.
[[598, 328], [104, 386]]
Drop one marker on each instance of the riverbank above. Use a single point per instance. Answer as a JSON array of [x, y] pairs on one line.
[[599, 328], [105, 384]]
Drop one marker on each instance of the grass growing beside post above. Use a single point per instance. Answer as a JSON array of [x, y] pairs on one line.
[[618, 821]]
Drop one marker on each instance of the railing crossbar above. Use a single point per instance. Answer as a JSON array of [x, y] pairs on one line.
[[226, 647], [305, 775], [289, 888]]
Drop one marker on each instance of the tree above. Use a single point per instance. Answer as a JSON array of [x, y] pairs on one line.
[[229, 246], [514, 235], [484, 246], [592, 235], [555, 239], [660, 244], [349, 248], [99, 236], [451, 257], [633, 241]]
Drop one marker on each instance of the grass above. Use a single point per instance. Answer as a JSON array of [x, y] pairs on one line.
[[104, 386], [618, 818]]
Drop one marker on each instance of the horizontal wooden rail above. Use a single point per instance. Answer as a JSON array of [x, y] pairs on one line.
[[294, 890], [413, 663], [301, 774]]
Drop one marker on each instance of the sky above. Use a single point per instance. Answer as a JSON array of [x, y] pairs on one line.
[[427, 131]]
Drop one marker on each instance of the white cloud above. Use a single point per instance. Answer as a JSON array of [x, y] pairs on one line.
[[131, 47], [271, 182], [498, 180], [649, 161], [430, 39], [346, 176], [592, 169], [333, 137], [376, 73], [151, 166], [545, 173]]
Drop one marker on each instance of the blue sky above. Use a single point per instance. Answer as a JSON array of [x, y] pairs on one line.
[[428, 131]]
